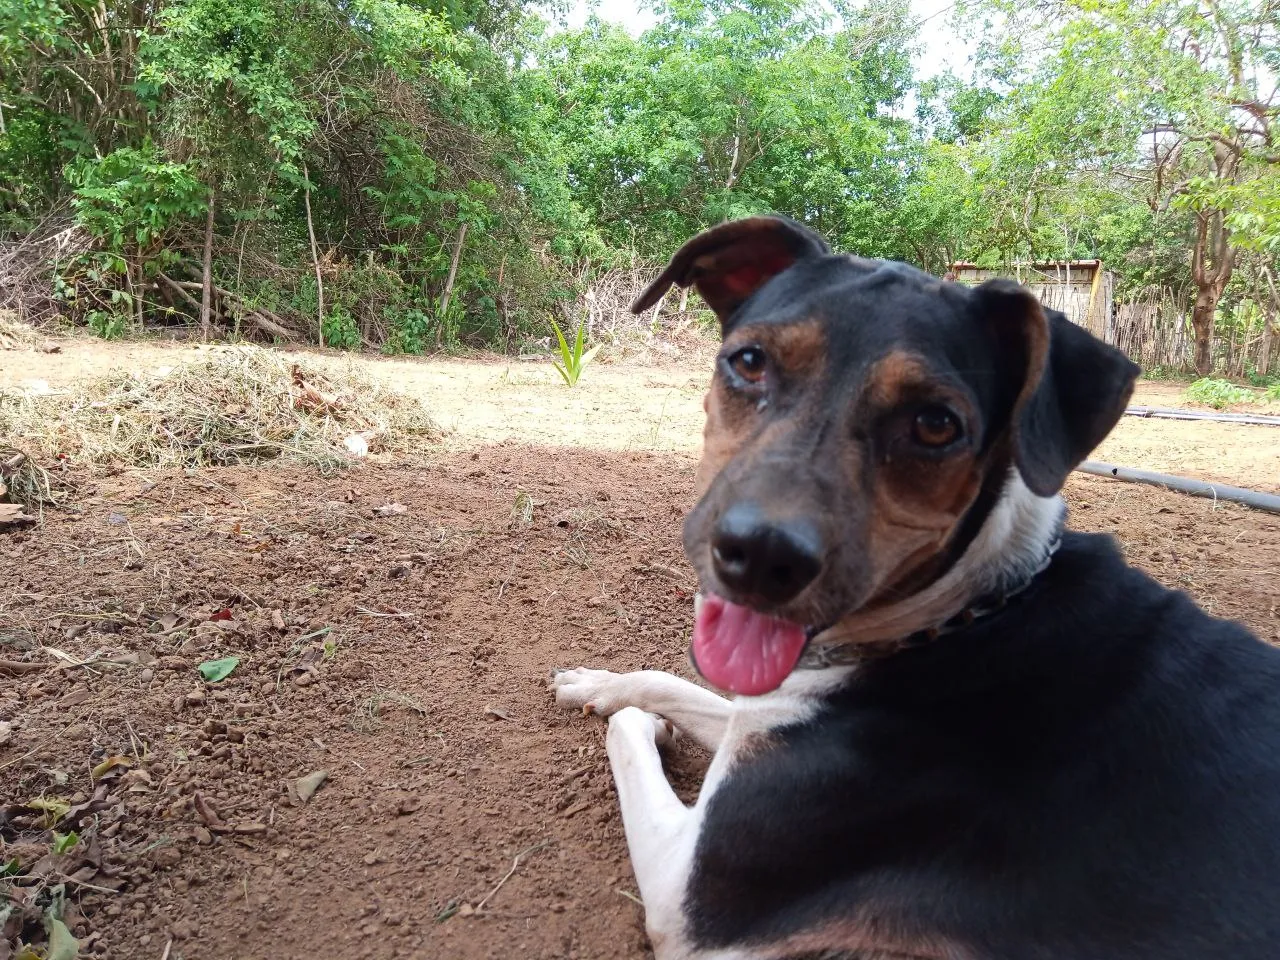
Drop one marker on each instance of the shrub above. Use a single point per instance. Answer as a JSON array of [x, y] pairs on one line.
[[1219, 394]]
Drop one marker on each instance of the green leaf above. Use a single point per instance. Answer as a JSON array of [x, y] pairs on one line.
[[586, 357], [215, 670], [62, 945], [65, 842]]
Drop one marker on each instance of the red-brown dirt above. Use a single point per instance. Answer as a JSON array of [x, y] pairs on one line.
[[445, 756], [403, 652]]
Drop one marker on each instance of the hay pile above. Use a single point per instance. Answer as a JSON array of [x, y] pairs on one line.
[[241, 405], [14, 334]]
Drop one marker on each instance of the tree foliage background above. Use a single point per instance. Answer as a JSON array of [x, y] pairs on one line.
[[412, 174]]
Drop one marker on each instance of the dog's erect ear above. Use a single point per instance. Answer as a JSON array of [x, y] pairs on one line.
[[1074, 387], [732, 261]]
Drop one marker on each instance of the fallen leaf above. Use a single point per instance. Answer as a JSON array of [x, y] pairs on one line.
[[109, 764], [94, 804], [391, 510], [53, 808], [576, 809], [206, 812], [6, 732], [223, 614], [308, 785], [215, 670], [62, 945], [168, 621], [74, 698], [495, 711], [18, 667], [277, 619], [11, 515]]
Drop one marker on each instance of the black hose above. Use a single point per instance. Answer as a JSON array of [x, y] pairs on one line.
[[1197, 488], [1165, 413]]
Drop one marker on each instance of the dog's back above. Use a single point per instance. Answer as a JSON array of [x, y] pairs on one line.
[[1098, 765]]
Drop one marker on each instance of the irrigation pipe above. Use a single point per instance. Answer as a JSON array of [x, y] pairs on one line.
[[1261, 420], [1196, 488]]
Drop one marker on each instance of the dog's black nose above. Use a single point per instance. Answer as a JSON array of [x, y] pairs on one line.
[[770, 559]]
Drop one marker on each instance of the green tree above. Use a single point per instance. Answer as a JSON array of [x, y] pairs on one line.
[[1168, 102], [725, 109]]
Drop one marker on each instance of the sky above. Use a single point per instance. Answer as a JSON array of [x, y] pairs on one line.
[[939, 48]]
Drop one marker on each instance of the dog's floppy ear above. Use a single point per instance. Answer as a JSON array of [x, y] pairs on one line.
[[1074, 387], [730, 262]]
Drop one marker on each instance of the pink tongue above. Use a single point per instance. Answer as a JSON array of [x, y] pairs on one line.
[[740, 650]]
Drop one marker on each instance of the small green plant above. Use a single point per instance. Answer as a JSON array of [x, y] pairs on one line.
[[107, 324], [340, 330], [573, 357], [1273, 392], [1219, 394], [65, 842]]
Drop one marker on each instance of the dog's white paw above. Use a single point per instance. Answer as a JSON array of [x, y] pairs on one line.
[[591, 691], [644, 723]]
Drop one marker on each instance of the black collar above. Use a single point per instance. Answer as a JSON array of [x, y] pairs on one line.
[[851, 653]]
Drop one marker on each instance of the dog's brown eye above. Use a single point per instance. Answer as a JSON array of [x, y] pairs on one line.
[[936, 427], [748, 363]]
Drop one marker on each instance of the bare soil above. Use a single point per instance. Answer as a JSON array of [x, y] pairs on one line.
[[403, 653]]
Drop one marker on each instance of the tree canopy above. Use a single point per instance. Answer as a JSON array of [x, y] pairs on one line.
[[412, 174]]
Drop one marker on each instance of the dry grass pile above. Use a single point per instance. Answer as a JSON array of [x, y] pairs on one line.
[[14, 334], [241, 405]]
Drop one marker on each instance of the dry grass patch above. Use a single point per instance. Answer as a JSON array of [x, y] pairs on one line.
[[240, 405]]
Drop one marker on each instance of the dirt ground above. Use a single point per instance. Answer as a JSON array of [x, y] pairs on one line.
[[402, 653]]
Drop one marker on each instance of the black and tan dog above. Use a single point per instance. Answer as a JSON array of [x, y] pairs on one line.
[[960, 732]]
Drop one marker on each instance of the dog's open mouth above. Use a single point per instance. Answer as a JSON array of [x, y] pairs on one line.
[[743, 651]]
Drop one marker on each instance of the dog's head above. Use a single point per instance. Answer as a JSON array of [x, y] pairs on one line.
[[864, 421]]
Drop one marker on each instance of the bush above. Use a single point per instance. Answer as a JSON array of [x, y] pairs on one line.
[[340, 330], [1219, 394], [108, 324], [130, 198], [410, 331]]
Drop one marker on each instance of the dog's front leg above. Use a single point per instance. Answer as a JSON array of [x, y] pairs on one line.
[[694, 711], [661, 831]]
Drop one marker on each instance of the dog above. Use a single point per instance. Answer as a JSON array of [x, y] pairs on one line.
[[960, 731]]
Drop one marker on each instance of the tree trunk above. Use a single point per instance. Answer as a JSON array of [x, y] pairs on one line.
[[206, 275], [1212, 261], [1268, 332], [315, 256], [448, 284], [1202, 326], [1268, 324]]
